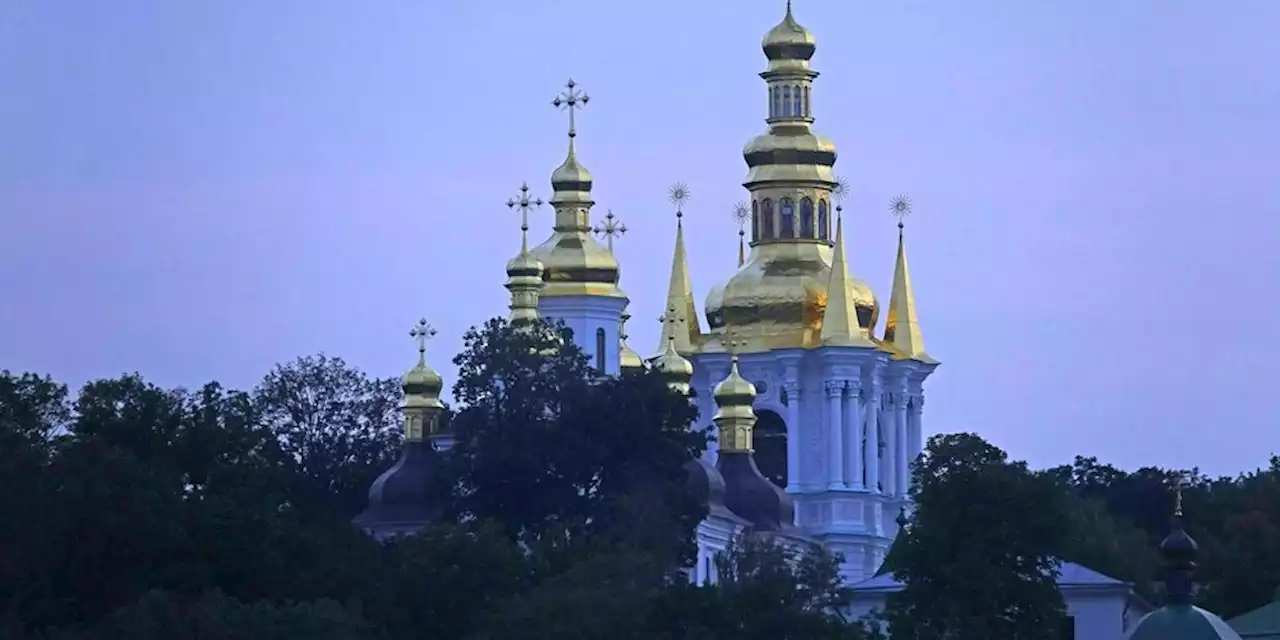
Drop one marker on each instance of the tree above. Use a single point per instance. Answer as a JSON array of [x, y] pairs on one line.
[[977, 559], [557, 455], [338, 427]]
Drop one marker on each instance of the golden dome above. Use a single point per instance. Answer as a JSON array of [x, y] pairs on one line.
[[422, 384], [524, 265], [788, 40], [734, 390], [715, 307], [777, 300], [575, 263], [674, 367], [571, 175]]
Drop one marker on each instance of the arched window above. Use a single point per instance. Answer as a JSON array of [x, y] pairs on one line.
[[775, 95], [755, 220], [795, 102], [770, 439], [766, 217], [808, 109], [600, 350], [823, 223], [806, 218], [786, 101], [786, 218]]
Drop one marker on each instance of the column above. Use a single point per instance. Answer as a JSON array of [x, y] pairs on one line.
[[871, 451], [889, 437], [835, 427], [793, 435], [914, 416], [853, 435], [903, 463]]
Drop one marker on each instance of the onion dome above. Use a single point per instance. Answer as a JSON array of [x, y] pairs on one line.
[[1179, 619], [708, 487], [788, 40], [628, 359], [748, 494], [674, 367], [714, 307], [400, 501]]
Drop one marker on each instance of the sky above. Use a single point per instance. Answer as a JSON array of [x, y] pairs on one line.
[[198, 190]]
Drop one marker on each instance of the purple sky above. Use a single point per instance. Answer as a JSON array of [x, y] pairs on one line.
[[197, 190]]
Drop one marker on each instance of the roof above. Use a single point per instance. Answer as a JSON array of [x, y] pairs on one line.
[[1070, 574], [1262, 623], [1182, 622]]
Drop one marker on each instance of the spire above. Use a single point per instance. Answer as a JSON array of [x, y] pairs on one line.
[[524, 272], [735, 419], [902, 329], [680, 289], [840, 319], [1179, 552], [674, 367]]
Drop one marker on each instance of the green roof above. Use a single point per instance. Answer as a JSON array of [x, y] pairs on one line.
[[1262, 623], [1182, 622]]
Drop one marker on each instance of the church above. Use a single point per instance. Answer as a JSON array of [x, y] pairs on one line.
[[815, 391]]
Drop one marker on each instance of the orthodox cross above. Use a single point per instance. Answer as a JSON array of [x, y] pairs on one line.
[[678, 194], [571, 99], [612, 228], [734, 343], [422, 332], [1177, 497], [900, 207], [524, 205]]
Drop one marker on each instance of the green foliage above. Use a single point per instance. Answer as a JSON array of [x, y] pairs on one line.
[[977, 559], [559, 455], [161, 616]]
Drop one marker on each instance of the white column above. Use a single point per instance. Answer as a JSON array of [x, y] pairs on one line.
[[853, 435], [903, 463], [889, 434], [915, 415], [793, 435], [835, 426], [871, 452]]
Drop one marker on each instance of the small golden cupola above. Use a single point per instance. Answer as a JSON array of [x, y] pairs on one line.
[[574, 262], [674, 367], [628, 359], [422, 386], [524, 272], [902, 333], [777, 299], [735, 419]]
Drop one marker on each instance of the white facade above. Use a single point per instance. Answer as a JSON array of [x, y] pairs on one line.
[[596, 322], [854, 424]]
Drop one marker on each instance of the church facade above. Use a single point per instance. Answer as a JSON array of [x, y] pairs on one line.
[[839, 378]]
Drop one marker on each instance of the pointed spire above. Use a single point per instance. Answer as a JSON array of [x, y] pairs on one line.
[[902, 329], [840, 320], [680, 287]]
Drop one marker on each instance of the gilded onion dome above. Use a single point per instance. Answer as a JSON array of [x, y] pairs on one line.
[[674, 367], [778, 298], [574, 262]]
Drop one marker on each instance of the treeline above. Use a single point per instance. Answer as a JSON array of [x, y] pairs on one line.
[[133, 511]]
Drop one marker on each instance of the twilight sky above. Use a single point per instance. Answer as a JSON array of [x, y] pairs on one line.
[[197, 190]]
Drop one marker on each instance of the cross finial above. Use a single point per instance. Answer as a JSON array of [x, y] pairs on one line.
[[612, 228], [734, 343], [571, 99], [422, 332], [900, 207], [1177, 496], [524, 205], [678, 194]]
